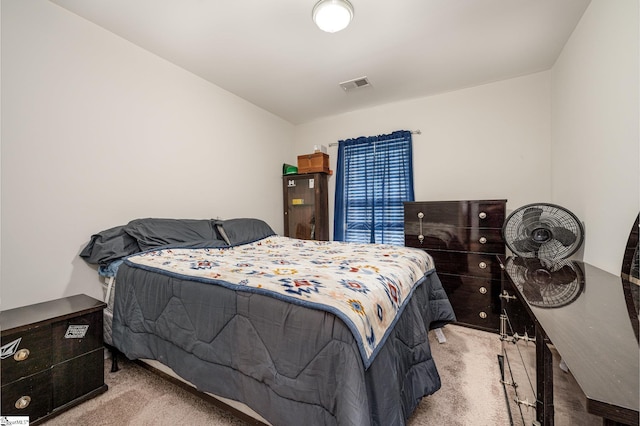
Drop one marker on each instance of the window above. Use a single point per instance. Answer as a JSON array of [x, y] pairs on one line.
[[374, 177]]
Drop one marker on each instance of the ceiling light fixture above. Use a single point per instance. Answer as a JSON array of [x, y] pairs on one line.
[[332, 15]]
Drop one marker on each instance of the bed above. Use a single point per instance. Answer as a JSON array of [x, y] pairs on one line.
[[332, 332]]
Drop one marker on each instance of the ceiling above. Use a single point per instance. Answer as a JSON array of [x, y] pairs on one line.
[[270, 53]]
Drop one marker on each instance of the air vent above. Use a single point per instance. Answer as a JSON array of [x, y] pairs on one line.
[[356, 83]]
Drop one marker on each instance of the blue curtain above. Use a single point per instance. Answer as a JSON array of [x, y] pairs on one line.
[[374, 177]]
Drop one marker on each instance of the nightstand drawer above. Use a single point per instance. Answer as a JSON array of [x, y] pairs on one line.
[[33, 393], [76, 336], [77, 377], [27, 353]]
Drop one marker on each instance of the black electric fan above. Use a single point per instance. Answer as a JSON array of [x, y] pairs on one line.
[[547, 283], [544, 231]]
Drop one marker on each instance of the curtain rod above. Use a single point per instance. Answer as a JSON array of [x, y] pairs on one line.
[[413, 132]]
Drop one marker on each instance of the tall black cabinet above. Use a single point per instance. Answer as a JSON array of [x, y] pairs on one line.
[[306, 206]]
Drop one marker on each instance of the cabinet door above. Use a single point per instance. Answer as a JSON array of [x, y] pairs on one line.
[[306, 206]]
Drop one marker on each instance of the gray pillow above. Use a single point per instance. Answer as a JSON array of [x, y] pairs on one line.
[[243, 230], [109, 245], [152, 233]]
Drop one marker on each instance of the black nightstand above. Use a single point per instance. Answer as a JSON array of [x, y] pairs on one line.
[[52, 356]]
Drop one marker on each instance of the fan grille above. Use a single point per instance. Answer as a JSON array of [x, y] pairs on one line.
[[564, 285], [543, 230]]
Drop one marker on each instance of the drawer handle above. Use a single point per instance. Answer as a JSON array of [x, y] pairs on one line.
[[421, 236], [21, 355], [483, 315], [482, 290], [483, 240], [482, 265], [506, 296], [23, 402], [482, 215]]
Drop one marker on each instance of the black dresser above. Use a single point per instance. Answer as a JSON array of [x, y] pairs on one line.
[[463, 237], [52, 356]]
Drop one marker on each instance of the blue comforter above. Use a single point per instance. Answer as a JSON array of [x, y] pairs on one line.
[[286, 361]]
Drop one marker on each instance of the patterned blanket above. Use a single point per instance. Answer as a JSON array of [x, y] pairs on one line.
[[366, 285]]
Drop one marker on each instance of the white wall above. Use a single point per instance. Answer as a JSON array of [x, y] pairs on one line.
[[568, 136], [485, 142], [96, 132], [595, 154]]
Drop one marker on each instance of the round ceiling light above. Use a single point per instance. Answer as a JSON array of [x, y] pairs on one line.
[[332, 15]]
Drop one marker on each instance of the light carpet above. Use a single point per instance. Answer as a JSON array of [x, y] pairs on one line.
[[471, 392]]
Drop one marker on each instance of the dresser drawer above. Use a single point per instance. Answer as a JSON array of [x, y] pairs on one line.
[[474, 299], [483, 287], [477, 317], [27, 352], [467, 214], [482, 240], [465, 263], [34, 391]]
